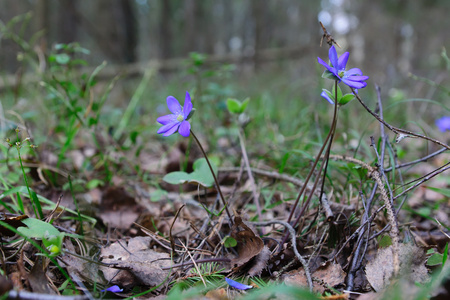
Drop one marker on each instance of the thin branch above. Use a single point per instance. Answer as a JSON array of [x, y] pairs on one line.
[[249, 173], [401, 133], [215, 178], [294, 246]]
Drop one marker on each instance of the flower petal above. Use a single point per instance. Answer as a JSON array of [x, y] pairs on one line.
[[114, 289], [332, 54], [168, 127], [342, 61], [184, 129], [354, 71], [354, 84], [173, 105], [331, 69], [172, 130], [187, 105], [237, 285], [166, 119], [356, 78], [325, 95]]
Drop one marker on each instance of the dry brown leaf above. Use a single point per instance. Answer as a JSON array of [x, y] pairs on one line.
[[412, 266], [143, 264], [118, 209], [328, 275], [248, 244], [37, 279]]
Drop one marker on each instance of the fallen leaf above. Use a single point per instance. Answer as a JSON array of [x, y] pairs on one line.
[[412, 266], [144, 266], [118, 209], [248, 244]]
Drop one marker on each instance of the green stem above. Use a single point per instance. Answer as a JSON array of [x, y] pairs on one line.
[[26, 184], [214, 176]]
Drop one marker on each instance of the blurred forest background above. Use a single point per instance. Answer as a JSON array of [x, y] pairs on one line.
[[387, 38]]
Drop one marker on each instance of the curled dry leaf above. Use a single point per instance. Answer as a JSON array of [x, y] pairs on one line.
[[248, 244], [144, 266]]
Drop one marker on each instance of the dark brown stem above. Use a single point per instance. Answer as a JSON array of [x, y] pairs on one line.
[[215, 178]]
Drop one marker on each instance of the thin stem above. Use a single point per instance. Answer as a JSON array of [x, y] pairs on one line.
[[308, 177], [250, 175], [214, 176]]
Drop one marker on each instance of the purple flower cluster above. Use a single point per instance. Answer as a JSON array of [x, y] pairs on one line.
[[353, 77]]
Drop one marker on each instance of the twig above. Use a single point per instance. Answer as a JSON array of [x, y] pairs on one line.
[[401, 133], [426, 178], [215, 178], [328, 37], [23, 295], [200, 261], [249, 173], [425, 158], [395, 233], [294, 246], [195, 265], [172, 241], [275, 175]]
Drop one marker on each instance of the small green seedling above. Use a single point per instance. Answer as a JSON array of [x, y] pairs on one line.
[[201, 174], [51, 237]]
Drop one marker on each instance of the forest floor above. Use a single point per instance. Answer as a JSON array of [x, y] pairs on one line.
[[96, 205]]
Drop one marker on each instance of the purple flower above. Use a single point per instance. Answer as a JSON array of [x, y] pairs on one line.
[[177, 121], [114, 289], [443, 123], [353, 77], [237, 285], [325, 95]]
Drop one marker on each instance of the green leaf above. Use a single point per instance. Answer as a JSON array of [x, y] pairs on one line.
[[435, 259], [346, 99], [62, 58], [234, 106], [244, 104], [384, 241], [38, 229], [201, 174], [229, 242]]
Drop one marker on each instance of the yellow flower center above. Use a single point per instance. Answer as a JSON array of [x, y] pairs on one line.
[[180, 118], [341, 74]]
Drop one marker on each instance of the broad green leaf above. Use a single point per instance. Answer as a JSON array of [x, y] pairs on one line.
[[201, 174], [38, 229], [234, 106], [346, 99], [244, 104]]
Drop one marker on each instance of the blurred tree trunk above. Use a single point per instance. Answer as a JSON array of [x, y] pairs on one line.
[[258, 21], [165, 32], [128, 31], [67, 28], [190, 18], [113, 27]]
